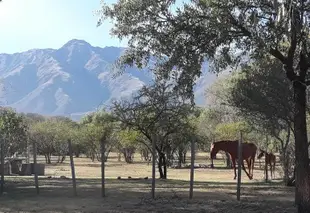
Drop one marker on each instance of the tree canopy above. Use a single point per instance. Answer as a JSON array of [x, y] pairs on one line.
[[229, 33], [13, 131], [156, 112]]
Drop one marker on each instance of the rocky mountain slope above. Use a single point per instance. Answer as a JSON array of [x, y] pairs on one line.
[[71, 80]]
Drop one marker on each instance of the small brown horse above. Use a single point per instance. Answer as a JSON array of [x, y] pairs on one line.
[[231, 147], [270, 159]]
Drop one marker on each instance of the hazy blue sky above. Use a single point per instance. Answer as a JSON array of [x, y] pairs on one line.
[[27, 24]]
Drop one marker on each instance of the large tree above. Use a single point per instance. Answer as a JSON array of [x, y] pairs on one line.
[[13, 132], [228, 33], [98, 129], [51, 137], [127, 143], [156, 112], [261, 95]]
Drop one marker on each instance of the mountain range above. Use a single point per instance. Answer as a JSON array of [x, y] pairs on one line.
[[72, 80]]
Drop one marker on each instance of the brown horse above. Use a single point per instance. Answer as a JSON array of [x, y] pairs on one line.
[[231, 147], [270, 159]]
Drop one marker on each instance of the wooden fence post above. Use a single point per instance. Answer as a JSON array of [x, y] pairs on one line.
[[191, 188], [102, 145], [153, 165], [2, 165], [240, 161], [72, 167], [266, 164], [35, 167]]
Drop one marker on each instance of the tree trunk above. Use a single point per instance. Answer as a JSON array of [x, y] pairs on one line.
[[144, 155], [291, 181], [45, 155], [127, 155], [301, 149], [49, 159], [160, 169], [63, 158], [92, 157], [284, 158], [286, 171], [180, 163], [162, 166], [105, 157], [165, 166], [169, 156], [184, 157], [107, 154], [266, 170], [180, 160], [141, 155]]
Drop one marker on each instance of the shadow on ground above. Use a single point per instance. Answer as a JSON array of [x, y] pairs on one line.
[[56, 195]]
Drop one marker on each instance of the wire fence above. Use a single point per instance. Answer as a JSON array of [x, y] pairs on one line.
[[37, 166]]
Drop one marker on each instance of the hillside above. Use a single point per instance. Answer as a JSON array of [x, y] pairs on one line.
[[71, 80]]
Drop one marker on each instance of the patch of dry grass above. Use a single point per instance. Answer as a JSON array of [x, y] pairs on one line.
[[84, 168], [215, 190]]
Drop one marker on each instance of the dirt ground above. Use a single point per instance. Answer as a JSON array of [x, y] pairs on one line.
[[214, 190]]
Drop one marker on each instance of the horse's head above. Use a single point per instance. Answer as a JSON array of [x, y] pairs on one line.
[[212, 155], [261, 154], [213, 151]]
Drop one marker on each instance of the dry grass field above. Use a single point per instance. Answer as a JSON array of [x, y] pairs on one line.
[[214, 190]]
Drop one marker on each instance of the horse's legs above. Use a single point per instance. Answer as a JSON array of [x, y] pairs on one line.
[[234, 165], [243, 167], [248, 162], [270, 170], [273, 167], [252, 165]]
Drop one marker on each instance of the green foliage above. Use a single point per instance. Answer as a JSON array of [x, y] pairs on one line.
[[128, 137], [259, 93], [155, 110], [13, 130], [262, 95], [127, 143], [183, 37], [231, 131], [98, 128], [158, 113], [51, 137]]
